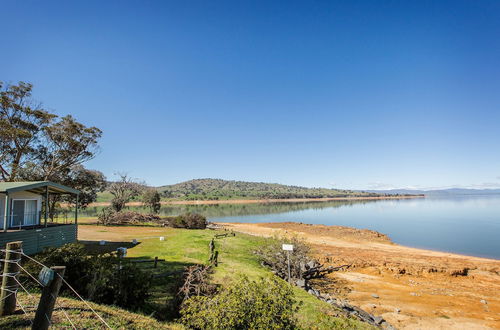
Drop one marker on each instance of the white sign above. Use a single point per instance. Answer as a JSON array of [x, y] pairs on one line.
[[162, 238], [288, 247], [46, 276]]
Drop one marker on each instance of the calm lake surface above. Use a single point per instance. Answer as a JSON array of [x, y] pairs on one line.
[[464, 224]]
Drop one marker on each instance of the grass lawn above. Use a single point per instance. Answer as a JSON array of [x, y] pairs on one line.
[[183, 247], [82, 317]]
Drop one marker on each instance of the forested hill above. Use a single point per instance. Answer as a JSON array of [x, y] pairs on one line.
[[214, 189]]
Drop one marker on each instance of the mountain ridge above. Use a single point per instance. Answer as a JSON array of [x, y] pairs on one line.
[[214, 189]]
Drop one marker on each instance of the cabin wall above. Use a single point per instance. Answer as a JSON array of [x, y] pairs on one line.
[[35, 240]]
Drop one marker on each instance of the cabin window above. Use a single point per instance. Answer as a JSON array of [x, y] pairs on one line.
[[24, 212]]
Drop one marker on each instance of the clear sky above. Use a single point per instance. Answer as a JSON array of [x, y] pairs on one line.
[[349, 94]]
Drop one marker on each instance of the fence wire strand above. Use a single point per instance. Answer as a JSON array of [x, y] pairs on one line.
[[14, 292]]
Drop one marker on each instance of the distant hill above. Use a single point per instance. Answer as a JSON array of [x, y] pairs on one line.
[[214, 189], [441, 192]]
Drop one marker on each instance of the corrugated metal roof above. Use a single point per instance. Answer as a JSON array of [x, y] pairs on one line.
[[37, 187]]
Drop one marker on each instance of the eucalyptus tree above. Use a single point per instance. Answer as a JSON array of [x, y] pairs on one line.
[[124, 190], [21, 123], [33, 137], [37, 145]]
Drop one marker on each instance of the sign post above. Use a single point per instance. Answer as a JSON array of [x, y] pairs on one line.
[[288, 248], [48, 298]]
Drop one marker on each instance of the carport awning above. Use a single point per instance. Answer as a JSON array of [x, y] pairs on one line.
[[37, 187]]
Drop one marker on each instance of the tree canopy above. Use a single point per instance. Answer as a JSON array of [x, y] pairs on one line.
[[124, 190], [37, 145], [38, 142]]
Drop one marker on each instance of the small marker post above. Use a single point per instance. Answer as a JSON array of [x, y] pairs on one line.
[[288, 248]]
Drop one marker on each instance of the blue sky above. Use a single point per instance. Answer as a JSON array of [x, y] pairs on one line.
[[349, 94]]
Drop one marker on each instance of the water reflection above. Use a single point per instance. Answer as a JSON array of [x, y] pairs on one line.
[[217, 211]]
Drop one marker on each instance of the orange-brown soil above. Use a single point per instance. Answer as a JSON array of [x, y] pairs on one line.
[[253, 201], [411, 288], [117, 233]]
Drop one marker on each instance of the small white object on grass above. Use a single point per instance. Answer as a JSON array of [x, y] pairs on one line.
[[287, 247], [122, 252], [162, 238]]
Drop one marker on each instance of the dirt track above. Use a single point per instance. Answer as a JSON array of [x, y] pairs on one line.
[[416, 289]]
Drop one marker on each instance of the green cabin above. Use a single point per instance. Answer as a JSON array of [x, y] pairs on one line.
[[24, 217]]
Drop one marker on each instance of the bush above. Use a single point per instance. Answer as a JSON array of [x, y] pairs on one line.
[[271, 254], [151, 198], [125, 287], [303, 267], [96, 277], [79, 266], [263, 304], [105, 216], [110, 217], [189, 221]]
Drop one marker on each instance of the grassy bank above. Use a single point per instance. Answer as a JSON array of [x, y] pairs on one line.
[[183, 247], [82, 317]]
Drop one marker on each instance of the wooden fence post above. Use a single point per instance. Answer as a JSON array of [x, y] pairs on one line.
[[216, 257], [10, 276], [48, 299], [211, 246]]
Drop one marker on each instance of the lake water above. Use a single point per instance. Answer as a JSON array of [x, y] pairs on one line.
[[464, 224]]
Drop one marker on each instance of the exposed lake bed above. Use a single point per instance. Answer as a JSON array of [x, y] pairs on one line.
[[409, 287]]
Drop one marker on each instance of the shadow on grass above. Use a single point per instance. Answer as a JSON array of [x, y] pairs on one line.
[[166, 279], [94, 247]]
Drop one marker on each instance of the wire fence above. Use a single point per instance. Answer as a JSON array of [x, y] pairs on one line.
[[30, 305]]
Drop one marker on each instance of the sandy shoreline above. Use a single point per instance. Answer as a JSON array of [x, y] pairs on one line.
[[416, 288], [253, 201]]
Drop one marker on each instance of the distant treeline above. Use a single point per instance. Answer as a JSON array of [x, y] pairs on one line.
[[217, 189]]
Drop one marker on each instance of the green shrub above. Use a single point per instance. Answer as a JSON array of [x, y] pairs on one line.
[[151, 198], [96, 277], [79, 266], [125, 287], [190, 221], [264, 304]]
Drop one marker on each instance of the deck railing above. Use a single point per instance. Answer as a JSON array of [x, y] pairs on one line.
[[21, 220], [15, 221]]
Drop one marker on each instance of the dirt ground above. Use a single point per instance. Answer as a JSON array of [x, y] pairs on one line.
[[117, 233], [410, 288]]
